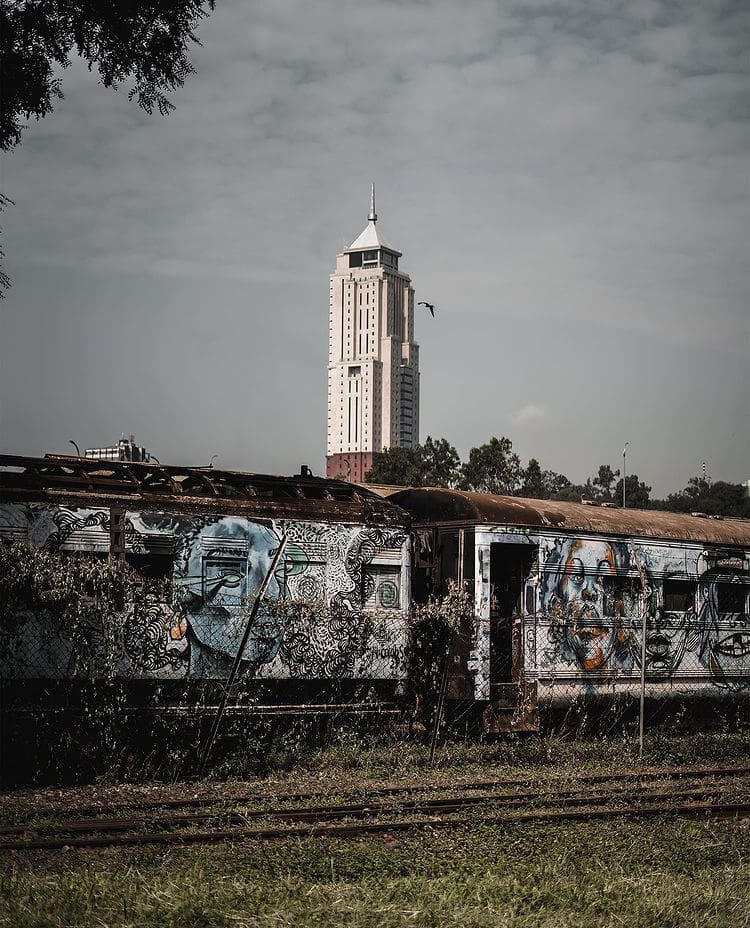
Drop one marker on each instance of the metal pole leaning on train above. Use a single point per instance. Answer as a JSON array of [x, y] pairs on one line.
[[441, 699], [643, 681], [238, 659], [645, 592], [624, 450]]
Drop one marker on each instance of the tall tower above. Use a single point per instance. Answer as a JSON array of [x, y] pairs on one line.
[[373, 360]]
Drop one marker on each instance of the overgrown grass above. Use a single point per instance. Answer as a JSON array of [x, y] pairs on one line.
[[49, 751], [610, 873], [665, 873], [395, 756], [358, 761]]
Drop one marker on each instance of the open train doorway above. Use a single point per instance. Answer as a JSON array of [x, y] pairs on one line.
[[510, 565]]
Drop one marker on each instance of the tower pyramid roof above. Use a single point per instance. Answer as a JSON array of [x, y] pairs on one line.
[[370, 236]]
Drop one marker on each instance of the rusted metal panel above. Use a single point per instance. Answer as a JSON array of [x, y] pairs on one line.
[[117, 533], [517, 711], [75, 481], [432, 506]]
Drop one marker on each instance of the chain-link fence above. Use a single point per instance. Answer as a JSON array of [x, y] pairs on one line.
[[100, 649], [582, 673]]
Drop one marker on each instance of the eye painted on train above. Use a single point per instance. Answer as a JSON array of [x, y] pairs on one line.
[[736, 645], [230, 577], [577, 574]]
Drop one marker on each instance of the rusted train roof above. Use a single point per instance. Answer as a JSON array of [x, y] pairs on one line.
[[85, 482], [432, 505]]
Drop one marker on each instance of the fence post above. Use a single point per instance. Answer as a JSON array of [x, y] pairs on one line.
[[643, 682]]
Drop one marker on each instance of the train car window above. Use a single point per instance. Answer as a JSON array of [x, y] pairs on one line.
[[679, 595], [381, 587], [88, 555], [731, 597], [529, 599], [621, 595], [151, 566]]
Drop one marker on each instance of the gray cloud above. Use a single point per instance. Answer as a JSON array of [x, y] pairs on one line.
[[532, 414], [567, 180]]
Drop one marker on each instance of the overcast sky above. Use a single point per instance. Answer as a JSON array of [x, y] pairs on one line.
[[568, 182]]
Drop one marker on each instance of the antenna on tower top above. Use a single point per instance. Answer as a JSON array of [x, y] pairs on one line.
[[373, 217]]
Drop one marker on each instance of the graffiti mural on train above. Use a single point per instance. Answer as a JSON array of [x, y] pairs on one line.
[[217, 564], [595, 594], [725, 642], [586, 620]]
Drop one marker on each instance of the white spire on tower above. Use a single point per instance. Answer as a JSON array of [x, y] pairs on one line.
[[373, 217]]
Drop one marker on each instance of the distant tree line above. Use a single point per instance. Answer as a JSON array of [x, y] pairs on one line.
[[495, 468]]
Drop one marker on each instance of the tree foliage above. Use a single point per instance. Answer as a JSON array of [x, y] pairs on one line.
[[143, 42], [440, 463], [601, 484], [715, 499], [82, 598], [495, 468], [541, 484], [434, 464], [492, 468], [637, 494]]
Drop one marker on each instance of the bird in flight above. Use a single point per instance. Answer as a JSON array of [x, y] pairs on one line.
[[430, 306]]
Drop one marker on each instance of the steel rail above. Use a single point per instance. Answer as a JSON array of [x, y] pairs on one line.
[[588, 810], [646, 774], [360, 810]]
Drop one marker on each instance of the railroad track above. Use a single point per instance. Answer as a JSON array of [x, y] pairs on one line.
[[628, 776], [703, 799], [355, 810]]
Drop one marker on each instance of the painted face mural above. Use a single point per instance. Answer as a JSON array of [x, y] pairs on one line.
[[220, 566], [725, 648], [220, 572], [217, 565], [666, 640], [586, 613]]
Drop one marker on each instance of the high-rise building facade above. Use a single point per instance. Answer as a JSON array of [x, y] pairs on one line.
[[125, 450], [373, 360]]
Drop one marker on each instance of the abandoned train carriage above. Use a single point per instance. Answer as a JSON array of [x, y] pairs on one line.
[[562, 592], [213, 534]]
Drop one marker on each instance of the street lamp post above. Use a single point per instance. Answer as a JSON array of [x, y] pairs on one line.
[[625, 448]]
